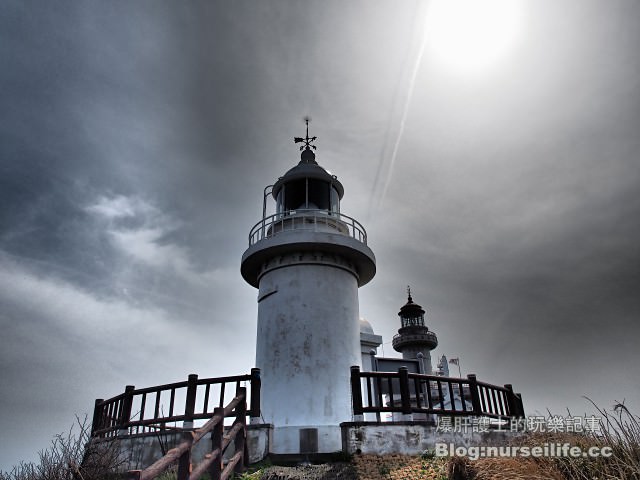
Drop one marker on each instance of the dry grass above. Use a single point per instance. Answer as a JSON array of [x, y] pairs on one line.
[[400, 467], [619, 430], [461, 468], [70, 457]]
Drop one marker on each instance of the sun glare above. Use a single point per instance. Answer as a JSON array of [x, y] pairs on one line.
[[472, 35]]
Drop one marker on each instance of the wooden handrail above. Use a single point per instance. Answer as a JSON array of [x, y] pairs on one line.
[[182, 384], [182, 452], [114, 416], [231, 466], [205, 464]]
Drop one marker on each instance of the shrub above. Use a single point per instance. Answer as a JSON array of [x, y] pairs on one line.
[[71, 456]]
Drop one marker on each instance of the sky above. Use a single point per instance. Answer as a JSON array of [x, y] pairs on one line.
[[136, 139]]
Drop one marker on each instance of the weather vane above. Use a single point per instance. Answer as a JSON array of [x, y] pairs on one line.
[[409, 291], [307, 141]]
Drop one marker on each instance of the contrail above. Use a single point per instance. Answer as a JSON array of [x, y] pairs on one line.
[[405, 110]]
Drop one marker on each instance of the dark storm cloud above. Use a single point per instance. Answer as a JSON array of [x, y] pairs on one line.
[[136, 139], [96, 244]]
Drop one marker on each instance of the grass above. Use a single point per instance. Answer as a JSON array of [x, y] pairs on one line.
[[71, 457], [400, 467], [619, 430]]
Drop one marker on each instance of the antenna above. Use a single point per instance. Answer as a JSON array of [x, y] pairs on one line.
[[306, 140]]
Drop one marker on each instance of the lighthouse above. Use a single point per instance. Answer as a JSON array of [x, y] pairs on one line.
[[307, 261], [414, 340]]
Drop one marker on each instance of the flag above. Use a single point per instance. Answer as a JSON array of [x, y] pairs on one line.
[[455, 361]]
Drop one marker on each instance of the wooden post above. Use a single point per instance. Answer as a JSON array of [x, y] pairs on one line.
[[239, 442], [405, 395], [190, 401], [125, 414], [356, 394], [511, 401], [184, 462], [256, 384], [216, 444], [96, 424], [520, 406], [475, 396]]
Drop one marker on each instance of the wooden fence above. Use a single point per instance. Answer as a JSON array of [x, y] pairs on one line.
[[409, 393], [142, 410], [113, 417]]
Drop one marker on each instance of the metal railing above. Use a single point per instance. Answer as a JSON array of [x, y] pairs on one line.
[[307, 220], [409, 393], [400, 338]]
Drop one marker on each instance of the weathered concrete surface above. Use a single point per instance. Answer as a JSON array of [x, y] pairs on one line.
[[140, 451], [411, 438], [308, 338], [287, 440]]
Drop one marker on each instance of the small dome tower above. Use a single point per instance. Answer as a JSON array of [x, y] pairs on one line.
[[413, 337]]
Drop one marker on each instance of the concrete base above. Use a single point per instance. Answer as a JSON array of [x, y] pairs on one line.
[[411, 438], [140, 451], [307, 439]]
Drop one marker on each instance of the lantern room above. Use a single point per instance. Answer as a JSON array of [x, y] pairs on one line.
[[307, 186]]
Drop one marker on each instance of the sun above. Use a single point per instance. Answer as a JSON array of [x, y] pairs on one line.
[[472, 35]]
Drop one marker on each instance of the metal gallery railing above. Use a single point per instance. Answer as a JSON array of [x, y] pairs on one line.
[[307, 220]]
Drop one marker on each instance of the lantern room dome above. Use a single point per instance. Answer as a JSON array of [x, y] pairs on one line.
[[307, 187], [308, 168], [410, 309]]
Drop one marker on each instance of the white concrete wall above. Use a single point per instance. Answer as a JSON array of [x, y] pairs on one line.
[[411, 353], [368, 342], [413, 438], [137, 452], [308, 338]]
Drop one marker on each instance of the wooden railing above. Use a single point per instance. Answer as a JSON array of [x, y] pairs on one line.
[[143, 410], [409, 393], [212, 463]]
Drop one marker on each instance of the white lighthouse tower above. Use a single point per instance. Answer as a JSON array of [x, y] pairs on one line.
[[307, 261]]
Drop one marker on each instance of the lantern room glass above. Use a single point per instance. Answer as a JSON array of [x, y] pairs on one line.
[[307, 194]]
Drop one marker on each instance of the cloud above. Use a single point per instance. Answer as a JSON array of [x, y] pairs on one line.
[[65, 345], [148, 240], [120, 206], [137, 141], [140, 230]]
